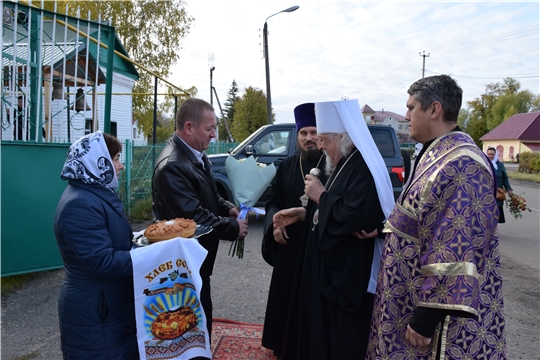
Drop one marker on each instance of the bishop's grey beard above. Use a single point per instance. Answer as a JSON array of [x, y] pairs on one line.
[[329, 167]]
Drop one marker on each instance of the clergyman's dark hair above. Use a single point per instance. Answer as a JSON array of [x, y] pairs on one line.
[[441, 88]]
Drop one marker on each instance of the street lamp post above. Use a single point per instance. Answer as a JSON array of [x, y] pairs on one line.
[[267, 64], [211, 86]]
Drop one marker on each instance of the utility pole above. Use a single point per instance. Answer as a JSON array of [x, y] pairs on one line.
[[423, 54], [269, 117], [225, 121]]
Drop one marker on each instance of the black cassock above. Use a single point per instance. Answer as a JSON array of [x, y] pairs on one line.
[[332, 311], [287, 187]]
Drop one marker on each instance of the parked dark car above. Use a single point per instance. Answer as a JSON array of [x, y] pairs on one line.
[[273, 143]]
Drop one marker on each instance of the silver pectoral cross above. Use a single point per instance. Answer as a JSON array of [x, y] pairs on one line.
[[304, 198]]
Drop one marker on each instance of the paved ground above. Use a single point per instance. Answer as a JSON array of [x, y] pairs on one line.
[[30, 323]]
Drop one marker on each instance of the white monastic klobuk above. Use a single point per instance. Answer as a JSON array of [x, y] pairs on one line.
[[345, 116]]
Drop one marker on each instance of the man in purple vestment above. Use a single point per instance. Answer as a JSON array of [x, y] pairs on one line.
[[439, 291]]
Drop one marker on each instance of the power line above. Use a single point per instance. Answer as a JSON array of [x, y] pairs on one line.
[[490, 77], [384, 77], [531, 30], [397, 89]]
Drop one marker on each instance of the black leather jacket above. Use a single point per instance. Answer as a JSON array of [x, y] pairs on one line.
[[181, 187]]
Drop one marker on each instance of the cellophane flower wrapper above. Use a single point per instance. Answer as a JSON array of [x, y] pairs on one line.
[[248, 181]]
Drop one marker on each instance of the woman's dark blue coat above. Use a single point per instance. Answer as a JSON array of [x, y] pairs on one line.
[[96, 303]]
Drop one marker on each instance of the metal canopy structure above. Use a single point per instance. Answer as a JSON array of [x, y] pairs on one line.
[[79, 68], [42, 51], [73, 67]]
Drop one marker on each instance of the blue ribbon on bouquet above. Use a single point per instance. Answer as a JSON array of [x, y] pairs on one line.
[[237, 246], [244, 210]]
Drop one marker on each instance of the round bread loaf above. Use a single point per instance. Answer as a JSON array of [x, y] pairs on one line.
[[172, 324], [170, 229]]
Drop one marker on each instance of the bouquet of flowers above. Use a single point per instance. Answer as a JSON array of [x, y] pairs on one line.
[[516, 204], [248, 181]]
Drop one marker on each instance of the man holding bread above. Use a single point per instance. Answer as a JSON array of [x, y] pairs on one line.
[[183, 186]]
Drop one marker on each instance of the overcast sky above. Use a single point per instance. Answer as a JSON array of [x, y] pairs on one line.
[[328, 50]]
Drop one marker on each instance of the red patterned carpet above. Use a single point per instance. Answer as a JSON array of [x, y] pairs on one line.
[[234, 340]]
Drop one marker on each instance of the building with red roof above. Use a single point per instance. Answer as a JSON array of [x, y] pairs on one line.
[[519, 134], [389, 118]]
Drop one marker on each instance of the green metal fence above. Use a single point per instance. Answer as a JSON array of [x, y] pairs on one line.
[[31, 187]]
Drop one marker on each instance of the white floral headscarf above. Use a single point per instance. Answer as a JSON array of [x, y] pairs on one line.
[[88, 160], [494, 161]]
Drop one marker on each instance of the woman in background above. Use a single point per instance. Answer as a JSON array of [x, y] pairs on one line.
[[96, 304], [502, 179]]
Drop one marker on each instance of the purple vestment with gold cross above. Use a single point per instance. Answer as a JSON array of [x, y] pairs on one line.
[[442, 252]]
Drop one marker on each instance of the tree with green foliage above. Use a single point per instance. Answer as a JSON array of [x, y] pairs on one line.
[[475, 123], [165, 128], [507, 105], [497, 104], [165, 121], [151, 32], [463, 118], [232, 97], [249, 113]]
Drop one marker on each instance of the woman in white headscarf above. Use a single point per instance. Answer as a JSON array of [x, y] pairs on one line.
[[95, 307], [502, 179]]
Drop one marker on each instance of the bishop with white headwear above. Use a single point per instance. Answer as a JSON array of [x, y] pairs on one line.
[[333, 299]]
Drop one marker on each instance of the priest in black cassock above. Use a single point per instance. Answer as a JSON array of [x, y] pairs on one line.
[[333, 300], [285, 192]]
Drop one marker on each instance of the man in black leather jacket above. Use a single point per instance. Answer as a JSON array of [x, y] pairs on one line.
[[183, 186]]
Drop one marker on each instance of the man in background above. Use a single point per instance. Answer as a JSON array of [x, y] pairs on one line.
[[183, 187], [18, 121], [283, 245], [439, 291], [19, 124]]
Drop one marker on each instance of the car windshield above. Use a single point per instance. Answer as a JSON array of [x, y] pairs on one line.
[[237, 149]]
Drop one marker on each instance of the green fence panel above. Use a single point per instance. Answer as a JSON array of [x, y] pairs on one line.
[[30, 190], [220, 147], [139, 162]]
